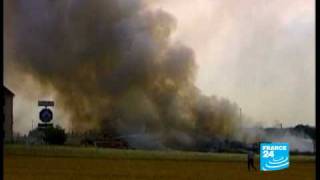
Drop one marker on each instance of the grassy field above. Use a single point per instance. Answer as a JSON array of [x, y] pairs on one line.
[[60, 162]]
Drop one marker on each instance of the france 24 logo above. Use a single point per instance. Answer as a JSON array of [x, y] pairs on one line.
[[274, 156]]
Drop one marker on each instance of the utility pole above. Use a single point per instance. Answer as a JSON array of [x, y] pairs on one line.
[[71, 127], [240, 114]]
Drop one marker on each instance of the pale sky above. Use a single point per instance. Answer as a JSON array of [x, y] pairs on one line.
[[260, 54]]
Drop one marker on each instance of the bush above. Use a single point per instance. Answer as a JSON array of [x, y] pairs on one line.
[[52, 135], [55, 135]]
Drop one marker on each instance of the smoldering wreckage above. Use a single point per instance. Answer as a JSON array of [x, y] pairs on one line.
[[116, 71]]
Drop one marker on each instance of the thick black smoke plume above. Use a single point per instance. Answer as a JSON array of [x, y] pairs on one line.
[[112, 65]]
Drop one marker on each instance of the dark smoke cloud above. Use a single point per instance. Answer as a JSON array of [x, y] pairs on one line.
[[112, 64]]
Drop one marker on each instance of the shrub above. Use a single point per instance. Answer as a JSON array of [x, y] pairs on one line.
[[55, 135], [51, 135]]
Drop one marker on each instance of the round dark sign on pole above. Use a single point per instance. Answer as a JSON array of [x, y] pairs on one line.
[[45, 115]]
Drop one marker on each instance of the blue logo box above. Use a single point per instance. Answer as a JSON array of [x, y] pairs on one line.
[[274, 156]]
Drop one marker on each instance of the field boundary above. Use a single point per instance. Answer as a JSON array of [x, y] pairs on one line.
[[114, 154]]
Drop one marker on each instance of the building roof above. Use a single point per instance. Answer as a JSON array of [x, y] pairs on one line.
[[8, 91]]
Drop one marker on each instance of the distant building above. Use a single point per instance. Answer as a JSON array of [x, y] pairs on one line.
[[8, 115]]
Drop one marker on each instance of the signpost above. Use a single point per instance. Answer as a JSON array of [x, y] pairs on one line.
[[45, 114], [45, 125], [45, 103]]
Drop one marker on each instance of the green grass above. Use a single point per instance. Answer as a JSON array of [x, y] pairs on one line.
[[61, 162]]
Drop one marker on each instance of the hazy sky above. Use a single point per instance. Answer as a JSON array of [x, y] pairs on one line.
[[260, 54]]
